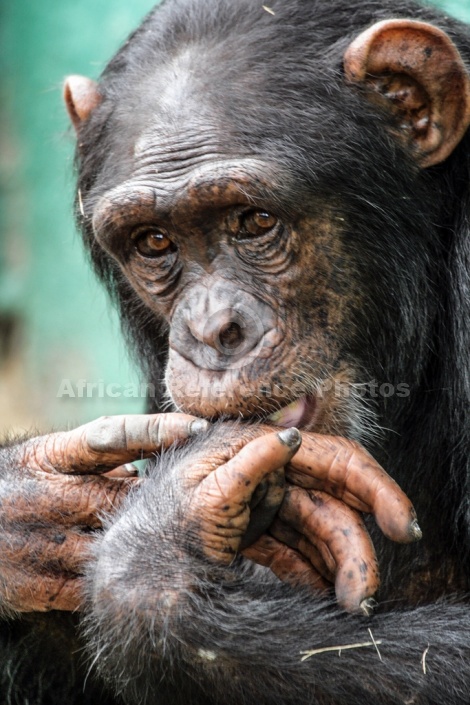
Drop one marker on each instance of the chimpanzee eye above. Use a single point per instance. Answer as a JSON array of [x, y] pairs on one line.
[[256, 223], [151, 242]]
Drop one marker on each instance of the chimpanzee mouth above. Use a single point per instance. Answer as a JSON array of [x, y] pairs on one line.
[[300, 413]]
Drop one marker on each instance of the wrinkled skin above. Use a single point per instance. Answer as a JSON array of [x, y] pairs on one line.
[[58, 500], [234, 285], [235, 292], [318, 537], [253, 191], [55, 496], [280, 349]]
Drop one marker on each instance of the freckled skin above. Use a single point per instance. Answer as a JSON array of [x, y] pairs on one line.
[[319, 120], [305, 342], [323, 530], [296, 293], [51, 511]]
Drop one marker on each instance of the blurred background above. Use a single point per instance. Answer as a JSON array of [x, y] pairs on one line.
[[62, 360], [56, 325]]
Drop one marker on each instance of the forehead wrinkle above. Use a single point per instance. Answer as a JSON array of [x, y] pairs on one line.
[[175, 138], [252, 177], [213, 183], [165, 152]]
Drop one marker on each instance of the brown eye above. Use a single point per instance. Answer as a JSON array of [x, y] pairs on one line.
[[257, 223], [153, 243]]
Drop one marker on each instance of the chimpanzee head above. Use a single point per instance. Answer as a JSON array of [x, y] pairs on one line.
[[259, 189]]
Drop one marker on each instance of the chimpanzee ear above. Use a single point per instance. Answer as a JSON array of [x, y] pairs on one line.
[[81, 96], [416, 69]]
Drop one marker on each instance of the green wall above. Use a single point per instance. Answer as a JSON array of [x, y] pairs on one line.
[[457, 8], [63, 327], [56, 326]]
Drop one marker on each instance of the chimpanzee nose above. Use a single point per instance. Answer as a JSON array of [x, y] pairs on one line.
[[228, 331], [231, 335], [219, 325]]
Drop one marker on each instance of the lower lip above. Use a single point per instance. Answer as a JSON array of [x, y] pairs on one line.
[[300, 413]]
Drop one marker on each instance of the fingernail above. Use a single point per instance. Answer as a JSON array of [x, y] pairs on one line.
[[368, 606], [290, 437], [415, 530], [198, 426]]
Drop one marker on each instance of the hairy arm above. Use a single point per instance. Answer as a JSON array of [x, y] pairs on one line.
[[172, 608]]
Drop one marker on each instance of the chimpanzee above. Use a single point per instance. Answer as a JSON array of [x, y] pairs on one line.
[[277, 198]]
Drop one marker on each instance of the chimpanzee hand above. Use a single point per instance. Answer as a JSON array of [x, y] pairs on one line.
[[327, 479], [52, 497], [318, 536]]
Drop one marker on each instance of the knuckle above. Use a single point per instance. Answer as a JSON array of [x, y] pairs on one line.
[[32, 455], [158, 429], [346, 444], [354, 447], [112, 496], [106, 433]]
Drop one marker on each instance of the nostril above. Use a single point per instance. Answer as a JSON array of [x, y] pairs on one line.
[[231, 335]]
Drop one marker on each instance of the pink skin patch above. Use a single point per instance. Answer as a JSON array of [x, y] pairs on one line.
[[299, 413]]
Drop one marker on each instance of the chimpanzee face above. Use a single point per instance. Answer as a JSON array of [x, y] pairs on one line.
[[200, 236], [286, 247]]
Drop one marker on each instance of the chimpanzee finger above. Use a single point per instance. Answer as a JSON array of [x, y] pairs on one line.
[[264, 505], [86, 503], [127, 470], [222, 499], [346, 471], [55, 552], [236, 480], [325, 566], [67, 500], [325, 520], [109, 441], [287, 564]]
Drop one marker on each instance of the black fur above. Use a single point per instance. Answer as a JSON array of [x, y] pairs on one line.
[[162, 622], [154, 605], [410, 240]]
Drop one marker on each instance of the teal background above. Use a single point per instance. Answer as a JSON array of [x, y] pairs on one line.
[[55, 322], [56, 319]]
